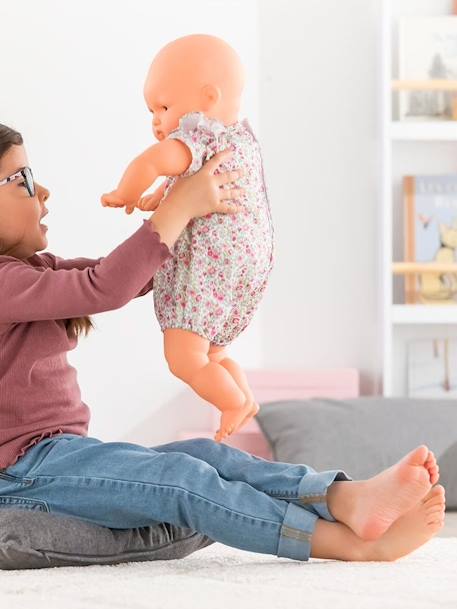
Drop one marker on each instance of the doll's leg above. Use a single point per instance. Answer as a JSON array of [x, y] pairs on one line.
[[187, 356], [217, 353]]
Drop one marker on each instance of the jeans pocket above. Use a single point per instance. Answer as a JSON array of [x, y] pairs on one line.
[[23, 503]]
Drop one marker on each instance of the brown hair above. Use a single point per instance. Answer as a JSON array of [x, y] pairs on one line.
[[75, 325]]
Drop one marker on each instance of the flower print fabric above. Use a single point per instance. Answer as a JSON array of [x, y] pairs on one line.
[[219, 268]]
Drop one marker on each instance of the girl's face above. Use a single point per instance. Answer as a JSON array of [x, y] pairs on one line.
[[21, 234]]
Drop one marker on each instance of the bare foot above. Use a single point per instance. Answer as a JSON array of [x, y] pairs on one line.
[[369, 507], [231, 420], [413, 529], [228, 426], [337, 541], [253, 410]]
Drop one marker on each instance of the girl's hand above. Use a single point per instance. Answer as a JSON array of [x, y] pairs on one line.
[[201, 193]]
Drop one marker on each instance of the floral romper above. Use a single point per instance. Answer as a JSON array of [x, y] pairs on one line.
[[218, 271]]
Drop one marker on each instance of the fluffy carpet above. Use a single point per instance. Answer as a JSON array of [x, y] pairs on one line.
[[220, 576]]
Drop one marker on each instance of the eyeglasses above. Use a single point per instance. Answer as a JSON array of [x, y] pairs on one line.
[[25, 173]]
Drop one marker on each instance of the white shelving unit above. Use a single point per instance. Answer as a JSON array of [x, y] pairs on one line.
[[407, 149]]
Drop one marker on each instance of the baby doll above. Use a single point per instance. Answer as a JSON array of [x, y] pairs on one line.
[[206, 293]]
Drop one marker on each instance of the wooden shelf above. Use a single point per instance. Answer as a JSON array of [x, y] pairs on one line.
[[408, 268], [424, 85]]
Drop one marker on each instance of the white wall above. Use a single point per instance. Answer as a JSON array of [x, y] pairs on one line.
[[71, 79], [319, 125]]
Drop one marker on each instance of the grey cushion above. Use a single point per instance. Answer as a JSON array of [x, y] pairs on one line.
[[33, 540], [363, 435]]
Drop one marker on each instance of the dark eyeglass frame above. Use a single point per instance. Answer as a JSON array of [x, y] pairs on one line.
[[26, 173]]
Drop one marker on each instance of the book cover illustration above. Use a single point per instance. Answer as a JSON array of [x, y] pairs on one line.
[[431, 236]]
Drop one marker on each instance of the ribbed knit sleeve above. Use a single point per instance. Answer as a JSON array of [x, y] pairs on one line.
[[30, 293], [57, 263]]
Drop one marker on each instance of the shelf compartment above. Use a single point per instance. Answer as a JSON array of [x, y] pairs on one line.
[[445, 130], [424, 314]]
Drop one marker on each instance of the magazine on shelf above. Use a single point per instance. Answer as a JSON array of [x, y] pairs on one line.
[[430, 221], [427, 49], [432, 368]]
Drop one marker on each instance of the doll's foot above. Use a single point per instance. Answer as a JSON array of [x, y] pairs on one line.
[[371, 506], [413, 529], [232, 419], [254, 409]]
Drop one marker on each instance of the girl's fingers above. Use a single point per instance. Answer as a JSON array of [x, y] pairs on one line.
[[229, 176], [230, 193], [214, 162], [226, 208]]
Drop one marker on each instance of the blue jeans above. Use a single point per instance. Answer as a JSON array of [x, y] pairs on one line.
[[231, 496]]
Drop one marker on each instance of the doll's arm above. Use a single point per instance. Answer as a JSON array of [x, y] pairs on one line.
[[168, 158]]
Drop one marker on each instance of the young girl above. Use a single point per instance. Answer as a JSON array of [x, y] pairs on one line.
[[48, 462]]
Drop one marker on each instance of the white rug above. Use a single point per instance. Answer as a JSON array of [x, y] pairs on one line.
[[222, 577]]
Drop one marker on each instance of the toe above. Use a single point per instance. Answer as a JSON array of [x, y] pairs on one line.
[[437, 492], [431, 460], [418, 456]]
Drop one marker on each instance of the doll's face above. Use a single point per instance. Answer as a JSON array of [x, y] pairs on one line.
[[196, 73], [166, 110], [169, 97]]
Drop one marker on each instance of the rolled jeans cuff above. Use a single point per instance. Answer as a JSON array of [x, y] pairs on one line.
[[296, 532], [312, 491]]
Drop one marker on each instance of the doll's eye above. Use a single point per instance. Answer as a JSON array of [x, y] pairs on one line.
[[165, 108]]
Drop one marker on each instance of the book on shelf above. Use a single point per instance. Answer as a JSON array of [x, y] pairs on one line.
[[430, 236], [427, 50], [432, 368]]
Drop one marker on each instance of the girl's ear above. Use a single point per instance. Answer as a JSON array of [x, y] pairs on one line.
[[210, 96]]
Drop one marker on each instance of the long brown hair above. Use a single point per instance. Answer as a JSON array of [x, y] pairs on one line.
[[75, 325]]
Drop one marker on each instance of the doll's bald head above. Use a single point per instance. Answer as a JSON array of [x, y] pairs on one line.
[[195, 73]]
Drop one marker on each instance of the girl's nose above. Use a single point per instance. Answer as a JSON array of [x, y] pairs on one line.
[[155, 121], [43, 193]]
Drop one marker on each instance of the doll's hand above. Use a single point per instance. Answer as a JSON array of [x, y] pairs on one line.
[[151, 202], [112, 199]]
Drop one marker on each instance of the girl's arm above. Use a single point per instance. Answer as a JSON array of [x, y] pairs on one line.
[[31, 293], [57, 263]]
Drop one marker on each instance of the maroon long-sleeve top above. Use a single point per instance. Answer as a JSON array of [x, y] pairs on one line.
[[39, 392]]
